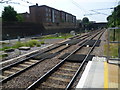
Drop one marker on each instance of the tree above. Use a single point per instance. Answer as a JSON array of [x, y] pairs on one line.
[[9, 14], [114, 18], [19, 18], [85, 20]]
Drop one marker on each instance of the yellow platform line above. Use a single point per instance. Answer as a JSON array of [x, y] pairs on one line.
[[105, 75]]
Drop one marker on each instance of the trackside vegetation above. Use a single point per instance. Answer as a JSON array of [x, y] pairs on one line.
[[30, 43]]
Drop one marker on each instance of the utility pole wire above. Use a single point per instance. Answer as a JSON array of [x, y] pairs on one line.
[[14, 2], [98, 12], [76, 4], [81, 8], [104, 8]]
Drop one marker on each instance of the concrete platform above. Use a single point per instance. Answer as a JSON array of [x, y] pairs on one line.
[[113, 76], [100, 74]]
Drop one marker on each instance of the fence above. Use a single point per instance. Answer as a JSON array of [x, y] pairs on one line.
[[114, 43]]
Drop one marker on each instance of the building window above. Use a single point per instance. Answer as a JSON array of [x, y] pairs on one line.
[[46, 14], [50, 20], [66, 17], [53, 16], [46, 19], [49, 14], [49, 10], [46, 9]]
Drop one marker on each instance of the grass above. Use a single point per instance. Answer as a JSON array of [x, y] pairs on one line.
[[117, 35], [113, 51], [30, 43], [4, 48], [63, 36], [4, 55], [37, 43]]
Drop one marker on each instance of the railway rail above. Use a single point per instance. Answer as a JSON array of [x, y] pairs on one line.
[[16, 68], [7, 62], [64, 73]]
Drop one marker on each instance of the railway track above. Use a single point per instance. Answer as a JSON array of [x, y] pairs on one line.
[[8, 72], [64, 73], [14, 69]]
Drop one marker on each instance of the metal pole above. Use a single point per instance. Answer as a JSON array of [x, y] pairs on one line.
[[108, 41], [118, 43], [114, 35], [114, 24]]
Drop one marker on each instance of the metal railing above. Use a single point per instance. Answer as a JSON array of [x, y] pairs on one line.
[[112, 40]]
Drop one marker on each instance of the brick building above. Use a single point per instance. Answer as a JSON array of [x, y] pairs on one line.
[[49, 16], [26, 17]]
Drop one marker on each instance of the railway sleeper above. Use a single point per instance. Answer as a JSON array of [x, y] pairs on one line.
[[61, 76], [76, 66], [24, 65], [68, 69], [29, 63], [16, 68], [53, 85], [64, 74], [2, 77], [9, 72]]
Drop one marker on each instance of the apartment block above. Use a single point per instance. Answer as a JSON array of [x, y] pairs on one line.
[[48, 15]]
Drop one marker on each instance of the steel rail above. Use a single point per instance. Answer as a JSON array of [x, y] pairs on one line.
[[82, 64], [17, 63], [12, 75], [35, 54], [42, 78], [27, 58]]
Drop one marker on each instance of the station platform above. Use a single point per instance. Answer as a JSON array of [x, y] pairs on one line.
[[100, 74]]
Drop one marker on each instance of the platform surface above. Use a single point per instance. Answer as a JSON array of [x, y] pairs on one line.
[[113, 76], [100, 74]]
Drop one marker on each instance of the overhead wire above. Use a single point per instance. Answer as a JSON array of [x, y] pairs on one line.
[[14, 2], [81, 8]]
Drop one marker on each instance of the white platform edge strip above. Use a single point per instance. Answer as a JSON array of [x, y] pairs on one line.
[[84, 75]]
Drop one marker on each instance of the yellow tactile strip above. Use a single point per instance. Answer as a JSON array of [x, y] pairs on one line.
[[105, 75], [113, 75]]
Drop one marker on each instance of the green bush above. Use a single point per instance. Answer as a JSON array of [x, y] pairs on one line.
[[31, 43], [3, 55], [38, 45], [18, 44], [42, 42], [4, 48]]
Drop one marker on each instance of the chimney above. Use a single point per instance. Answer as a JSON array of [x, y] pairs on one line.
[[36, 4]]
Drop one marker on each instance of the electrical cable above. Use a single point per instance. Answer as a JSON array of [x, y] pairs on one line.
[[81, 8]]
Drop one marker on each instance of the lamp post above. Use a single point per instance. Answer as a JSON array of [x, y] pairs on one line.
[[8, 38]]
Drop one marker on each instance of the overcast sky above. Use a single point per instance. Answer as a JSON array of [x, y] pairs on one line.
[[79, 8]]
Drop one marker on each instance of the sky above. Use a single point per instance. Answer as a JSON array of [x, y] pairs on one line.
[[95, 10]]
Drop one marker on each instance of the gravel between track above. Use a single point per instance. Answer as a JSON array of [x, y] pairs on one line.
[[29, 76], [13, 61], [99, 51]]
